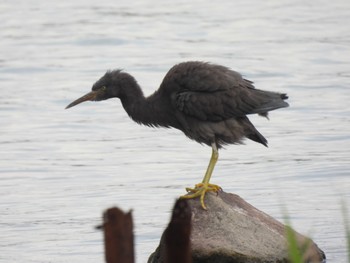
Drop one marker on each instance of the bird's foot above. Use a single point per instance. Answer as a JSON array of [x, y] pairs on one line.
[[200, 190]]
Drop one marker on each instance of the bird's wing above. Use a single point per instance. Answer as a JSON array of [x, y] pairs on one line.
[[216, 93]]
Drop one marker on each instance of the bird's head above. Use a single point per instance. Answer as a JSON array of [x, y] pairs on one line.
[[108, 86]]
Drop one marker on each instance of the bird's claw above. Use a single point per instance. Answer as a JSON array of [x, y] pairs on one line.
[[200, 190]]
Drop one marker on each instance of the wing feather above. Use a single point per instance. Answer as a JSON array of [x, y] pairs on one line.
[[215, 93]]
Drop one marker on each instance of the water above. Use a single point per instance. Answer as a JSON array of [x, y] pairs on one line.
[[59, 169]]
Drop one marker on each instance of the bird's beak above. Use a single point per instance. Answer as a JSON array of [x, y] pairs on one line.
[[90, 96]]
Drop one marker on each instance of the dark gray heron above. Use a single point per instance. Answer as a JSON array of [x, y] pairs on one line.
[[209, 103]]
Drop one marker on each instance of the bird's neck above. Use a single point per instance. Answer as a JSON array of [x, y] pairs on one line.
[[143, 110]]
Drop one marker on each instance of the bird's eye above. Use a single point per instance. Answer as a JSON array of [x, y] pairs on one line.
[[103, 88]]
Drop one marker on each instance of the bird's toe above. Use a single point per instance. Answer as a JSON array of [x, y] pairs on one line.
[[200, 190]]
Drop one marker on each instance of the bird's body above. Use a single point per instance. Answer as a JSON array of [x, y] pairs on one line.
[[208, 102]]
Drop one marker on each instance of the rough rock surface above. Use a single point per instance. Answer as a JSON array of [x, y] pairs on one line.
[[231, 230]]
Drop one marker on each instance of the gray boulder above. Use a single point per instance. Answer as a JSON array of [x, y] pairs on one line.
[[232, 230]]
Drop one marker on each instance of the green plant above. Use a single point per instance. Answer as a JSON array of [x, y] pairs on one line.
[[296, 251], [295, 255], [347, 226]]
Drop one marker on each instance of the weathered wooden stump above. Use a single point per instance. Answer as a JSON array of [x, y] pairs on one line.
[[118, 236], [119, 239]]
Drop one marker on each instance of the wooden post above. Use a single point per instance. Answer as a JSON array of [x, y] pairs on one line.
[[177, 235], [118, 236]]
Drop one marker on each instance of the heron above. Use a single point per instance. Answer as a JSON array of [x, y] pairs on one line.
[[208, 102]]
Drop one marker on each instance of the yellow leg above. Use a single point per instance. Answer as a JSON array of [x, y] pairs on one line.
[[203, 187]]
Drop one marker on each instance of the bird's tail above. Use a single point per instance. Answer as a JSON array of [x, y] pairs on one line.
[[252, 133], [269, 101], [257, 137]]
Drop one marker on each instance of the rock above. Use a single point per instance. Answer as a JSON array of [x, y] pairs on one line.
[[232, 230]]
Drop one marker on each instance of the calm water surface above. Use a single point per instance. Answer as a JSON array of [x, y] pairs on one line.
[[60, 169]]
